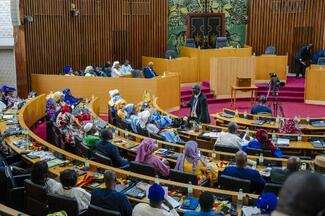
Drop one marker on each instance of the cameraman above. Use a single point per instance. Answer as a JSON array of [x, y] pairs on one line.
[[261, 108]]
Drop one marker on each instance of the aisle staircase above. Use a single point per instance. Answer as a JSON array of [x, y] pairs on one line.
[[293, 91]]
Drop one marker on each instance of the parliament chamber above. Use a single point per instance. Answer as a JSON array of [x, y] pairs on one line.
[[143, 107]]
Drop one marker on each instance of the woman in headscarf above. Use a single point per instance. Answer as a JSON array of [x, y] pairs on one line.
[[68, 98], [51, 109], [8, 95], [119, 105], [116, 69], [163, 123], [262, 141], [66, 122], [290, 127], [145, 155], [191, 161]]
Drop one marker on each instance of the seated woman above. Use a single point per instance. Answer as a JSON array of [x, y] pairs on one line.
[[66, 122], [290, 127], [160, 125], [51, 109], [39, 175], [191, 161], [129, 110], [90, 138], [68, 188], [262, 141], [145, 155], [9, 98], [119, 107], [68, 98]]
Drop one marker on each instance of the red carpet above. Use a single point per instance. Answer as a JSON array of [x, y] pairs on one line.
[[291, 96]]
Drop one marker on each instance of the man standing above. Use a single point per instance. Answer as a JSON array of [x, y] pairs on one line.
[[301, 58], [199, 106], [148, 71]]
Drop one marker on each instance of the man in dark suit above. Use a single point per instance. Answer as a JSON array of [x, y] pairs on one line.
[[148, 71], [109, 198], [241, 171], [199, 106], [106, 148], [301, 58], [279, 175]]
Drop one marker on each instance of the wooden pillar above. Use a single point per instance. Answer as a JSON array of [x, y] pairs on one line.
[[20, 56]]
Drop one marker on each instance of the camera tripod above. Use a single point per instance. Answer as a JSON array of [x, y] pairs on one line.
[[275, 103]]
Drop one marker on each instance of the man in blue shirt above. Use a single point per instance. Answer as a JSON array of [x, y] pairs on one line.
[[148, 71], [106, 148], [261, 106], [241, 171], [109, 198], [206, 201]]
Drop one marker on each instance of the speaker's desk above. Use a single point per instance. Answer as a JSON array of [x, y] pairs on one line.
[[315, 85], [132, 89]]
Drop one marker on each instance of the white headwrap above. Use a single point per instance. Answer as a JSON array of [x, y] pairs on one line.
[[88, 127], [115, 63], [88, 69], [143, 118]]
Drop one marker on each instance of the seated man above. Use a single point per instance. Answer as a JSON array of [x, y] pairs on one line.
[[90, 139], [156, 197], [230, 138], [319, 164], [241, 171], [109, 198], [106, 148], [302, 194], [126, 68], [148, 71], [261, 106], [206, 201], [279, 175]]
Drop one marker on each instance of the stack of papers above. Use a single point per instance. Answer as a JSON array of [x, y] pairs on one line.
[[283, 141], [211, 135]]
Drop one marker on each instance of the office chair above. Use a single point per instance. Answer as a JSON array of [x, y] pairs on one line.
[[321, 61], [270, 50], [184, 177], [170, 54], [59, 203], [272, 187], [103, 159], [99, 211], [221, 42], [142, 168], [257, 152], [35, 198], [190, 43], [234, 184]]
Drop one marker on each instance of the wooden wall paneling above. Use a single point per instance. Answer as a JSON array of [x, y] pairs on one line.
[[278, 23], [103, 30]]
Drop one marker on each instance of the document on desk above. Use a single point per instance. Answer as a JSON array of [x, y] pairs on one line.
[[283, 141]]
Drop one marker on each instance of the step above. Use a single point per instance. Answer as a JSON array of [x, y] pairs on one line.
[[289, 99], [206, 84], [285, 88], [284, 93]]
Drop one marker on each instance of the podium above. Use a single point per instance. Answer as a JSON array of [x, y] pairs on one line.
[[224, 72], [315, 85]]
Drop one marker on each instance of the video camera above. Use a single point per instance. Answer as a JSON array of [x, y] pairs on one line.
[[275, 83]]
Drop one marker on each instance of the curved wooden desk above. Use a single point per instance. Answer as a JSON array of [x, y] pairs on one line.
[[93, 107], [304, 147], [35, 110], [249, 120]]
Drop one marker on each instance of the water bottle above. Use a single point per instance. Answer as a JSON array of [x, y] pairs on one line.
[[87, 165], [261, 159], [126, 134], [236, 113], [240, 201], [273, 137], [308, 119], [245, 114], [214, 155], [299, 138], [277, 120], [157, 179], [190, 189], [114, 133]]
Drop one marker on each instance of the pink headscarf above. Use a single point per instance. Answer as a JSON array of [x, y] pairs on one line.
[[144, 155], [191, 154], [145, 150], [289, 127]]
